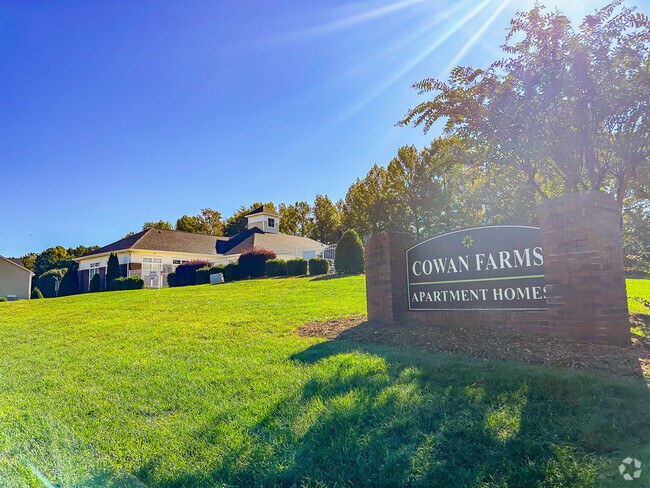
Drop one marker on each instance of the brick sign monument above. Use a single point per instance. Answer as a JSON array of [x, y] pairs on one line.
[[564, 277]]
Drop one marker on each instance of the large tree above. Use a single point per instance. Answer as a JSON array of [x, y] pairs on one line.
[[211, 221], [49, 259], [296, 219], [563, 104], [371, 206], [327, 221], [161, 224], [207, 222], [29, 260], [190, 224]]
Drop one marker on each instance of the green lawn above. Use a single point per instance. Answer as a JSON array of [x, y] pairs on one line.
[[638, 289], [209, 386]]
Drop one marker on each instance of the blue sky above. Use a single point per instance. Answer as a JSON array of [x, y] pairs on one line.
[[116, 113]]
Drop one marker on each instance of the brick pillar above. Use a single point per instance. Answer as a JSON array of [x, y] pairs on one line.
[[583, 267], [386, 291]]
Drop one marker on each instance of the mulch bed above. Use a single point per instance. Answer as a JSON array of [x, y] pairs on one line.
[[502, 344]]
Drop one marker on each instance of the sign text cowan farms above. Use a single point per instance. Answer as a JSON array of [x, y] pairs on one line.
[[496, 267]]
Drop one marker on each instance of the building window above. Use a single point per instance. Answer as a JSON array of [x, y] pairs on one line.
[[271, 223], [176, 261], [94, 269]]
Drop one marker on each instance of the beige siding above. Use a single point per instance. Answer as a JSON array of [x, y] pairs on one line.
[[14, 281]]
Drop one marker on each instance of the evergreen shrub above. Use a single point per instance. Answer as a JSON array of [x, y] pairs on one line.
[[203, 275], [349, 254], [251, 262], [296, 267], [275, 267], [95, 283], [318, 266], [186, 273], [231, 272]]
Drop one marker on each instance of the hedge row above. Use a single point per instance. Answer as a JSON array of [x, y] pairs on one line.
[[252, 262], [130, 283], [255, 264]]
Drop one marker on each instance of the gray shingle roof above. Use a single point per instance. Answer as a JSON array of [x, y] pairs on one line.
[[278, 243], [163, 240], [186, 242]]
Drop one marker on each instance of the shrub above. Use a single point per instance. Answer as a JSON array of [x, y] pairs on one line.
[[275, 267], [132, 283], [112, 269], [47, 281], [186, 273], [36, 293], [70, 282], [171, 279], [95, 283], [3, 299], [296, 267], [251, 262], [217, 269], [231, 272], [318, 266], [203, 275], [115, 284], [348, 257]]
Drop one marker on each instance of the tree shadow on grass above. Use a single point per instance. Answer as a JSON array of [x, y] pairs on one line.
[[377, 416]]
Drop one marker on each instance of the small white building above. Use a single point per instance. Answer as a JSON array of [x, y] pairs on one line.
[[15, 279], [153, 253]]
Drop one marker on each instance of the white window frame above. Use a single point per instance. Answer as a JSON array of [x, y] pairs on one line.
[[94, 269]]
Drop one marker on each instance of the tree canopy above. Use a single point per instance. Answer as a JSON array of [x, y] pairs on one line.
[[564, 104], [161, 224]]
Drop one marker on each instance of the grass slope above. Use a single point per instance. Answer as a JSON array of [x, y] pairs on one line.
[[638, 289], [209, 386]]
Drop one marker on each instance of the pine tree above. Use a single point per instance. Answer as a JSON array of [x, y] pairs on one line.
[[112, 270]]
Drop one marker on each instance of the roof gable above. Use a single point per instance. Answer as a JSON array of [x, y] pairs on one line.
[[13, 261], [264, 209], [225, 246]]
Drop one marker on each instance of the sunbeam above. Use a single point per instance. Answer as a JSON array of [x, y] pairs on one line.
[[358, 68], [349, 21], [421, 56], [470, 43]]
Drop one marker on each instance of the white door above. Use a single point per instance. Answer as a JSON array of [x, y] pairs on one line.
[[152, 272]]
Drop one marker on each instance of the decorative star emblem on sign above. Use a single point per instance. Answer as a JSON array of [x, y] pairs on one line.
[[623, 468], [468, 241]]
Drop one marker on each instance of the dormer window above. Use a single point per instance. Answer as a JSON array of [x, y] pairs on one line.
[[264, 219]]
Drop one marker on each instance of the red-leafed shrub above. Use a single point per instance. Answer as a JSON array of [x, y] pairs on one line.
[[251, 262], [186, 272]]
